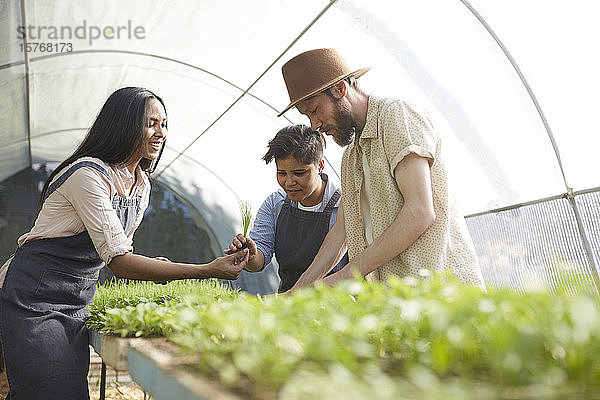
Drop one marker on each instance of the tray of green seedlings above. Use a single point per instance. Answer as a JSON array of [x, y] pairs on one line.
[[403, 339], [146, 309], [127, 320]]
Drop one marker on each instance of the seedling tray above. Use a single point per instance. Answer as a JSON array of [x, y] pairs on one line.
[[156, 367], [112, 349]]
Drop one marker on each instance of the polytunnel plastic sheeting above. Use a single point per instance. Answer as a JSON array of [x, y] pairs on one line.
[[10, 46], [194, 99], [14, 145], [233, 150], [439, 55], [208, 193], [235, 39], [476, 66], [588, 205], [59, 148], [442, 71], [536, 246], [553, 43]]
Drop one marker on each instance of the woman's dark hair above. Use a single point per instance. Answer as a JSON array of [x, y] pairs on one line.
[[299, 141], [117, 132]]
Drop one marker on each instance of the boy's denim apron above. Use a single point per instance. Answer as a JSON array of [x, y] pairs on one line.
[[43, 303]]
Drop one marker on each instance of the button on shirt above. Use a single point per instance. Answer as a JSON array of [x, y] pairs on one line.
[[394, 129], [84, 202]]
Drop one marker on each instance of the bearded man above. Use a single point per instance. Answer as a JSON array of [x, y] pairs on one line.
[[397, 215]]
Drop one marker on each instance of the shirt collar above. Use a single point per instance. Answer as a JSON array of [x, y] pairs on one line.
[[329, 189], [124, 179], [370, 128], [124, 174]]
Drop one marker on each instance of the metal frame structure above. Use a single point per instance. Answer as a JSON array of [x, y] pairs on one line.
[[569, 193]]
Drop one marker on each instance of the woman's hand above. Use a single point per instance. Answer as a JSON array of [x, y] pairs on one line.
[[230, 266], [238, 242], [256, 259]]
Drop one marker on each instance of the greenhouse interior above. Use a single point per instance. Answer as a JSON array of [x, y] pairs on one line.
[[511, 88]]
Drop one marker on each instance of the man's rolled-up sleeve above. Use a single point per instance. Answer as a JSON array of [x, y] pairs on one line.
[[406, 131]]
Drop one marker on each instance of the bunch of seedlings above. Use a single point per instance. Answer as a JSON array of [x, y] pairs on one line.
[[246, 214]]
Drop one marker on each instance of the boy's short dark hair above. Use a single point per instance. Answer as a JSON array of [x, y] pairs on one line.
[[299, 141]]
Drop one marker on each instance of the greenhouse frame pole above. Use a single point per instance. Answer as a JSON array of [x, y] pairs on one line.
[[247, 91], [584, 238], [27, 88], [570, 195]]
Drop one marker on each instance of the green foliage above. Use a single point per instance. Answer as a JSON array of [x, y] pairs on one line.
[[421, 339], [246, 214], [141, 308]]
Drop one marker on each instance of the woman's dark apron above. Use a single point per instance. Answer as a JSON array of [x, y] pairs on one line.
[[43, 303], [298, 237]]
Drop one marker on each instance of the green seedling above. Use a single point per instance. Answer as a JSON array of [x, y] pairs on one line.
[[246, 213]]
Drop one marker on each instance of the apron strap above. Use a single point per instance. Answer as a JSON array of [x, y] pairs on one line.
[[56, 184], [332, 201], [287, 202]]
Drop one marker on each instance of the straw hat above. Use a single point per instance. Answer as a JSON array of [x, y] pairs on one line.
[[314, 71]]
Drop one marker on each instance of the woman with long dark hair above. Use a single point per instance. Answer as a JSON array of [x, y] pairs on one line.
[[91, 205]]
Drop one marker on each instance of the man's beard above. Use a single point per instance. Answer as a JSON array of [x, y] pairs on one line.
[[345, 127]]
